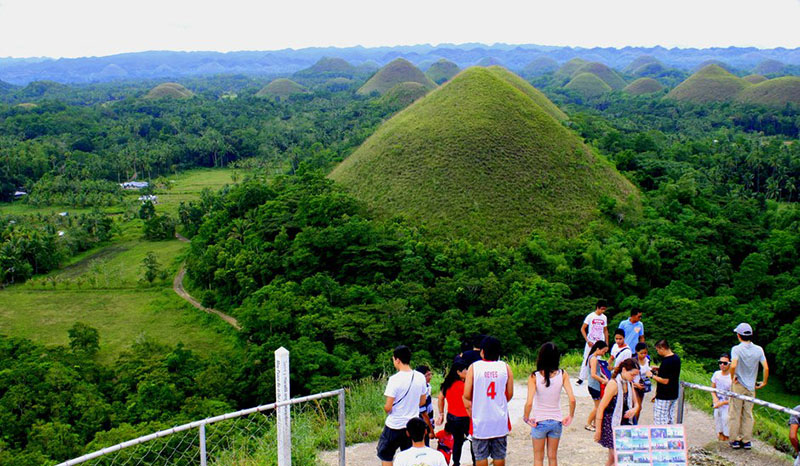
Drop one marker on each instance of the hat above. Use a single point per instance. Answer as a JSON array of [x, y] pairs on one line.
[[744, 329]]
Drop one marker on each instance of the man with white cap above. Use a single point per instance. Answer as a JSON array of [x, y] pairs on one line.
[[745, 358]]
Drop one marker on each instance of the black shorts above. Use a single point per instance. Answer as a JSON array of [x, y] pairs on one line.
[[595, 394], [390, 441]]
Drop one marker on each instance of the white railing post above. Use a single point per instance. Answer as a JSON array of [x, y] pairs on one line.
[[202, 445], [284, 412], [342, 431]]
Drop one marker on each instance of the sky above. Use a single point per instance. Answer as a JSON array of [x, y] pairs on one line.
[[75, 28]]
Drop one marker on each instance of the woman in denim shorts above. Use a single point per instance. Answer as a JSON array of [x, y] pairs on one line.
[[544, 398]]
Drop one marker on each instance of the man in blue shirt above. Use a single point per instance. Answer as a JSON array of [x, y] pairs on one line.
[[634, 328], [745, 359]]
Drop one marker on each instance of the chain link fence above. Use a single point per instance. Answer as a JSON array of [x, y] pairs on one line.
[[242, 438], [771, 419]]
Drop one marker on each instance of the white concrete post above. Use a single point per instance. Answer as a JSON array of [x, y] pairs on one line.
[[284, 417]]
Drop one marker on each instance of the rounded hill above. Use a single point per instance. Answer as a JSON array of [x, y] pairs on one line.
[[479, 159], [395, 72], [588, 85], [603, 72], [540, 66], [643, 86], [281, 89], [754, 78], [568, 69], [442, 71], [328, 67], [770, 67], [403, 95], [169, 91], [489, 61], [710, 84], [775, 92], [639, 62]]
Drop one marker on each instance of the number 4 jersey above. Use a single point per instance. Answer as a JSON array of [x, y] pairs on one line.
[[489, 404]]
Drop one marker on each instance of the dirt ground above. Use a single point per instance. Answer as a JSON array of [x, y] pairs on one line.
[[577, 446]]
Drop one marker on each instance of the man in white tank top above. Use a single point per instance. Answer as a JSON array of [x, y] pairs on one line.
[[488, 388]]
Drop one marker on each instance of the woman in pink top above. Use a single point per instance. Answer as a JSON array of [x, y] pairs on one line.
[[544, 397]]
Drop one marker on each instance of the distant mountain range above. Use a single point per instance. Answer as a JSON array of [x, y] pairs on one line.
[[166, 64]]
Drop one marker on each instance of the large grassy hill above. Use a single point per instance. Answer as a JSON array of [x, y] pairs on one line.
[[643, 86], [169, 91], [588, 85], [603, 72], [640, 61], [403, 95], [770, 67], [568, 69], [536, 95], [281, 88], [754, 78], [710, 84], [328, 67], [774, 92], [479, 159], [441, 71], [540, 66], [396, 72]]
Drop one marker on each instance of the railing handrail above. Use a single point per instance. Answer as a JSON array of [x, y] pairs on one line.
[[750, 399], [196, 424]]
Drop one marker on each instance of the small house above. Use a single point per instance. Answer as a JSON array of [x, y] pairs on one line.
[[134, 184]]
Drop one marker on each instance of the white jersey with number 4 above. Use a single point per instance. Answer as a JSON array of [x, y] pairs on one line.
[[489, 404]]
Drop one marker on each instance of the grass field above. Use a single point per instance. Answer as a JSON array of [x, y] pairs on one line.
[[102, 287]]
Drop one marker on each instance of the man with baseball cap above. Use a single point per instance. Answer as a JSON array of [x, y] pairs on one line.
[[745, 358]]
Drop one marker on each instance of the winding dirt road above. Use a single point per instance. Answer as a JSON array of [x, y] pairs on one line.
[[177, 285]]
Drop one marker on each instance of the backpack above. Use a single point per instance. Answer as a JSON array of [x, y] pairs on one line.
[[603, 365], [445, 444]]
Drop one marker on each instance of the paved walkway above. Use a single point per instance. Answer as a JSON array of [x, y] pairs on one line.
[[577, 445]]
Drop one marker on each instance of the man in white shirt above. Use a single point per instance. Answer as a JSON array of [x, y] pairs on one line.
[[419, 454], [621, 351], [594, 328], [487, 389], [745, 359], [405, 393]]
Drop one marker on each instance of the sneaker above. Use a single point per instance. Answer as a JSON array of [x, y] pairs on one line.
[[747, 445], [579, 382], [736, 444]]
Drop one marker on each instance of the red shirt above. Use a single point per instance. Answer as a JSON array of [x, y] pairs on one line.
[[455, 401]]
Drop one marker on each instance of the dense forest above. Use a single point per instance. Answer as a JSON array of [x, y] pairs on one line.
[[303, 264]]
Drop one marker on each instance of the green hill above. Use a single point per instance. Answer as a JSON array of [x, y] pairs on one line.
[[403, 95], [396, 72], [710, 84], [328, 67], [281, 89], [603, 72], [718, 63], [754, 78], [588, 85], [650, 70], [489, 61], [5, 87], [477, 158], [643, 86], [441, 71], [768, 67], [41, 89], [535, 94], [775, 92], [568, 69], [540, 66], [639, 62], [169, 91]]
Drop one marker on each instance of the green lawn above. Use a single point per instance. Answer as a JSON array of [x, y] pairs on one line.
[[188, 185], [102, 287]]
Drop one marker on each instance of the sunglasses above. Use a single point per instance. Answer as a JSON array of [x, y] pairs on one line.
[[724, 363]]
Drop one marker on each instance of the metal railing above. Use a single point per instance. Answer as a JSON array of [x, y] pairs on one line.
[[729, 394], [201, 425]]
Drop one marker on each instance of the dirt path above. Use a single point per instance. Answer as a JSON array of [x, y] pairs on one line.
[[577, 445], [177, 285]]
